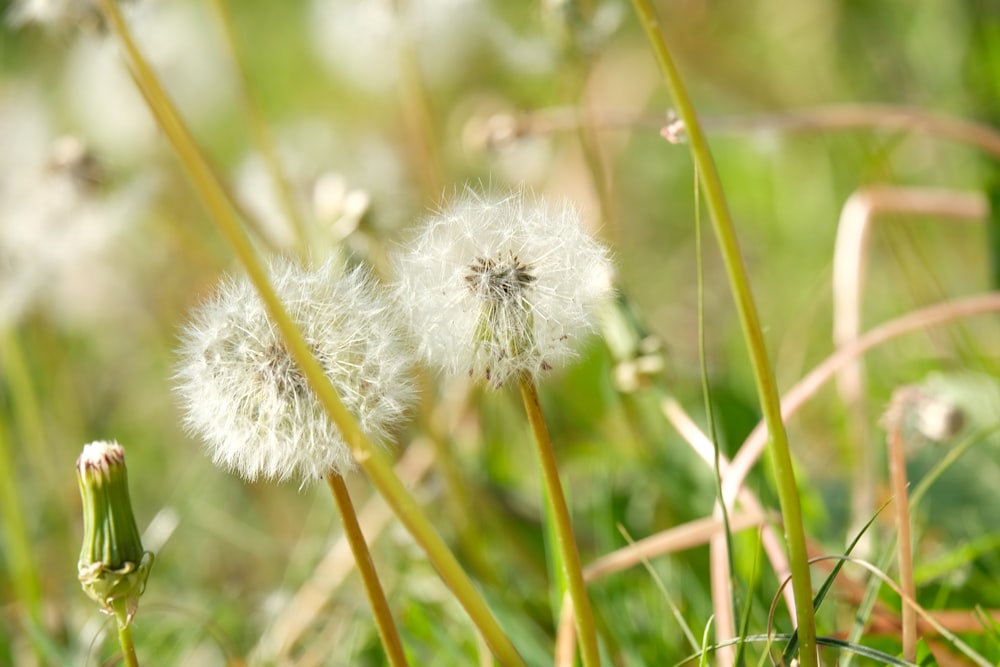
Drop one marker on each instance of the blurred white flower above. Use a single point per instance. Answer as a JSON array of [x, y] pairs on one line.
[[55, 13], [59, 224], [335, 181], [499, 287], [360, 40], [243, 393], [181, 43], [327, 204]]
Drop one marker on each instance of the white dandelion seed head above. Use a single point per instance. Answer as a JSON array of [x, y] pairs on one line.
[[180, 41], [55, 13], [62, 223], [495, 287], [243, 393]]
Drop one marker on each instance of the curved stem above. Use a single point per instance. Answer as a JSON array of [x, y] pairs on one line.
[[125, 632], [830, 118], [377, 468], [788, 492], [362, 557], [569, 556]]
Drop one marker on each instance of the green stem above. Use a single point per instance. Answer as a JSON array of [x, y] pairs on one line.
[[374, 464], [125, 633], [261, 135], [569, 556], [21, 565], [780, 454], [373, 587]]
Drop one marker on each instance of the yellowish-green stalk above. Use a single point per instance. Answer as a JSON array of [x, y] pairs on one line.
[[125, 633], [24, 401], [416, 113], [366, 568], [780, 454], [368, 457], [904, 546], [569, 557], [21, 566], [261, 134]]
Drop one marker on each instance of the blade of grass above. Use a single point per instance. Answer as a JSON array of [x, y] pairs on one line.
[[851, 647], [788, 493], [369, 458], [792, 645]]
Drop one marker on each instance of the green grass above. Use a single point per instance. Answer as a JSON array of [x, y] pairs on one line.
[[238, 553]]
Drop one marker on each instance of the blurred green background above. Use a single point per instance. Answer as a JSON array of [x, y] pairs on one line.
[[399, 108]]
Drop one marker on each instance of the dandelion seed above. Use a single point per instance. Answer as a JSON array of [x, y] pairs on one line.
[[496, 287], [246, 397]]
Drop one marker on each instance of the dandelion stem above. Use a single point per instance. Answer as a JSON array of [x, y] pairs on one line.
[[569, 556], [362, 557], [788, 493], [125, 632], [375, 466]]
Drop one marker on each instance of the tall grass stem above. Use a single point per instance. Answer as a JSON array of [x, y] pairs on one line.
[[788, 493], [374, 464]]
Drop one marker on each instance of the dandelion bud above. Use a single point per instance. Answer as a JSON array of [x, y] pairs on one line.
[[245, 395], [113, 565], [499, 287]]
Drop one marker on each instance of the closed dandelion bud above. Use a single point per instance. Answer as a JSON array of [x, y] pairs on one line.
[[500, 287], [113, 566], [246, 397]]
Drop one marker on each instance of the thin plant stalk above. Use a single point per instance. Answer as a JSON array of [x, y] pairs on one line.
[[362, 557], [904, 546], [788, 492], [374, 463], [22, 566], [804, 389], [258, 128], [307, 603], [415, 109], [569, 556], [125, 633], [850, 267], [830, 118]]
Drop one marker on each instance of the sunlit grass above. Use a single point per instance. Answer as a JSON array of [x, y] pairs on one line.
[[566, 101]]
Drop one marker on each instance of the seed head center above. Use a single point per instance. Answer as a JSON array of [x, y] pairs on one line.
[[499, 280]]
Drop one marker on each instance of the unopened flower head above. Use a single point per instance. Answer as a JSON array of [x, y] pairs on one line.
[[113, 565], [501, 286], [245, 395]]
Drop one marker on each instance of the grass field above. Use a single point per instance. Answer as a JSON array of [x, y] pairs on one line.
[[750, 201]]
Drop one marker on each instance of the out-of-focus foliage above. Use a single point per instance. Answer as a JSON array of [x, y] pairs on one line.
[[382, 112]]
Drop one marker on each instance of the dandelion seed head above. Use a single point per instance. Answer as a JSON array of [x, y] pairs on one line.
[[494, 287], [245, 396], [62, 222]]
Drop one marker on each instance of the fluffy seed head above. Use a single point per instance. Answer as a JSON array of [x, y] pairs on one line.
[[500, 286], [246, 397]]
